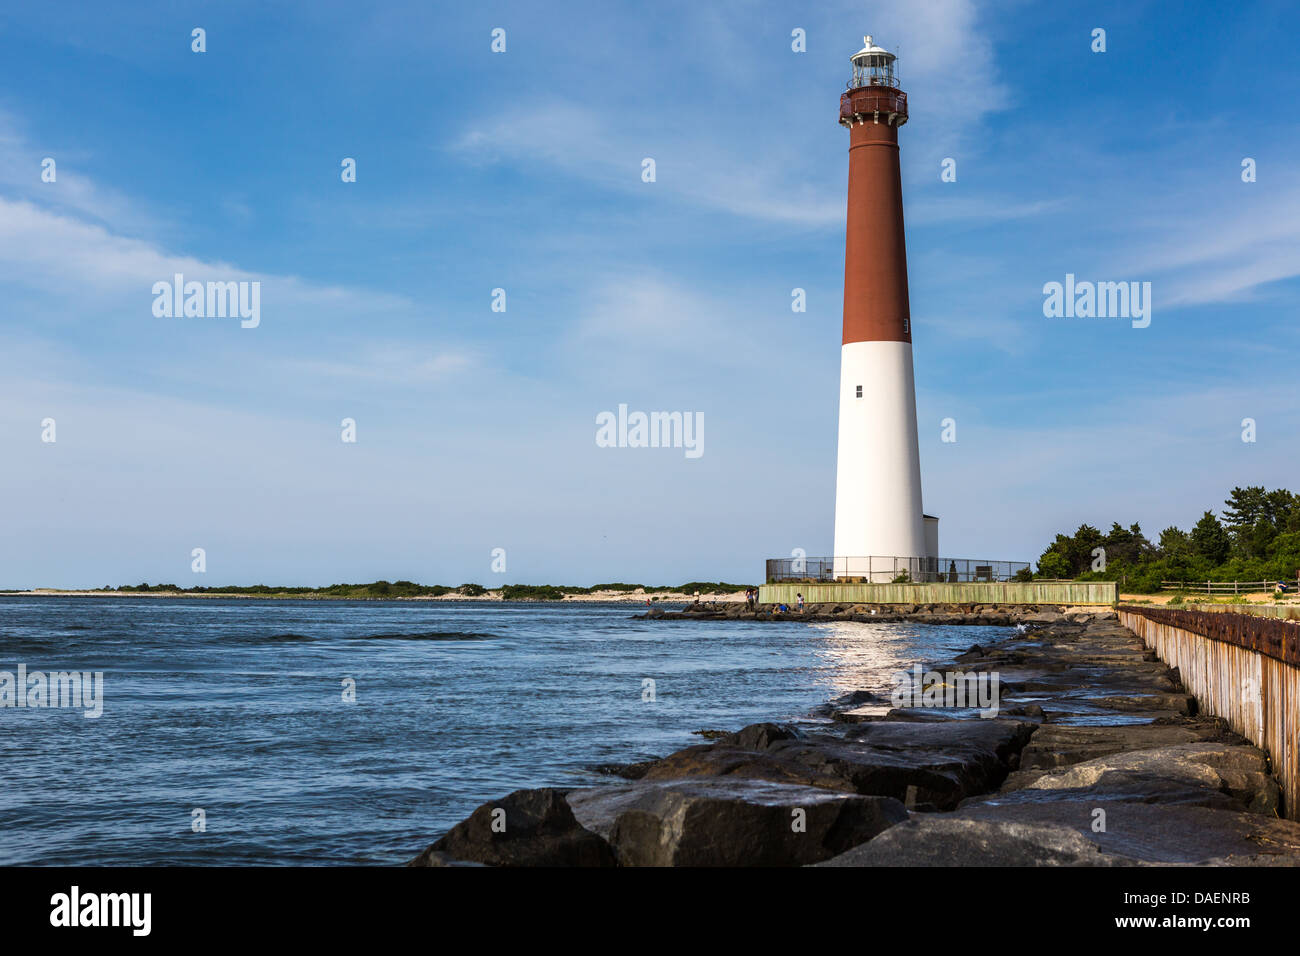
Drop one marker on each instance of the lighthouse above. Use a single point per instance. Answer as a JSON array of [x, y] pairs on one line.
[[878, 511]]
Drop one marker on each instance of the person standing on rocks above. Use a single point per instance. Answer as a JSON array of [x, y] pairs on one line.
[[799, 599]]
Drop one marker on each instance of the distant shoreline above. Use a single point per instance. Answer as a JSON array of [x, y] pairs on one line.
[[638, 596]]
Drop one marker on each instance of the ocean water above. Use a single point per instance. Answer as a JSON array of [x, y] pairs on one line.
[[236, 708]]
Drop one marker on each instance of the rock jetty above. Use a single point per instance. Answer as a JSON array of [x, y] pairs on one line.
[[1097, 757], [989, 614]]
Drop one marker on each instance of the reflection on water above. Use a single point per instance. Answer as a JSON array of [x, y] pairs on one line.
[[863, 656]]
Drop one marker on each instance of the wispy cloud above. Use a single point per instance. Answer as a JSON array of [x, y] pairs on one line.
[[602, 148], [1226, 249]]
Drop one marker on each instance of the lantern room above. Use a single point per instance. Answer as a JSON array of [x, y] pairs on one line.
[[873, 66]]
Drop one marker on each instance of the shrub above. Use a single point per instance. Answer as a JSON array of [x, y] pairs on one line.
[[710, 587], [532, 592], [1053, 564]]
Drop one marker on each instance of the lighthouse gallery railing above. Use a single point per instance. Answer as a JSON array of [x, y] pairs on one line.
[[876, 568]]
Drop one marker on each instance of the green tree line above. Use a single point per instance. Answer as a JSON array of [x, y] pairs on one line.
[[1256, 538]]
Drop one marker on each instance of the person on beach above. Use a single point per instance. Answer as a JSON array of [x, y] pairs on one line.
[[799, 598]]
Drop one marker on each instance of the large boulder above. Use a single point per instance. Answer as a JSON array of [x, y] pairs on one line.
[[944, 840], [525, 828], [1167, 831], [731, 822], [1060, 745], [1239, 772], [931, 765]]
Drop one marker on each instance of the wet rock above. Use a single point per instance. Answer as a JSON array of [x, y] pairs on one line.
[[936, 764], [948, 841], [628, 771], [1043, 617], [850, 701], [858, 715], [760, 736], [524, 828], [1239, 772], [1173, 703], [1056, 745], [1029, 711], [730, 822], [1113, 787], [1169, 831]]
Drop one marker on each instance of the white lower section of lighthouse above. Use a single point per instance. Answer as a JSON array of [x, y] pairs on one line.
[[878, 511]]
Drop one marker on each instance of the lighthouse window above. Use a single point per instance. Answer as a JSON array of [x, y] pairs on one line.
[[907, 326], [859, 391]]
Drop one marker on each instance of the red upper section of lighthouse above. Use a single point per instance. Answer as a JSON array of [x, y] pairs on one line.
[[876, 307], [873, 102]]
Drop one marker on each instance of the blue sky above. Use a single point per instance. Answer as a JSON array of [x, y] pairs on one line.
[[522, 170]]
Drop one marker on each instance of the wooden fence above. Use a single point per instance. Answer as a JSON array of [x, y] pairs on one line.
[[1221, 587], [1244, 668]]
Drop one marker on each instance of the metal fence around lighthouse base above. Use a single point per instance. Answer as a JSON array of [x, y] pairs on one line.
[[886, 570]]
